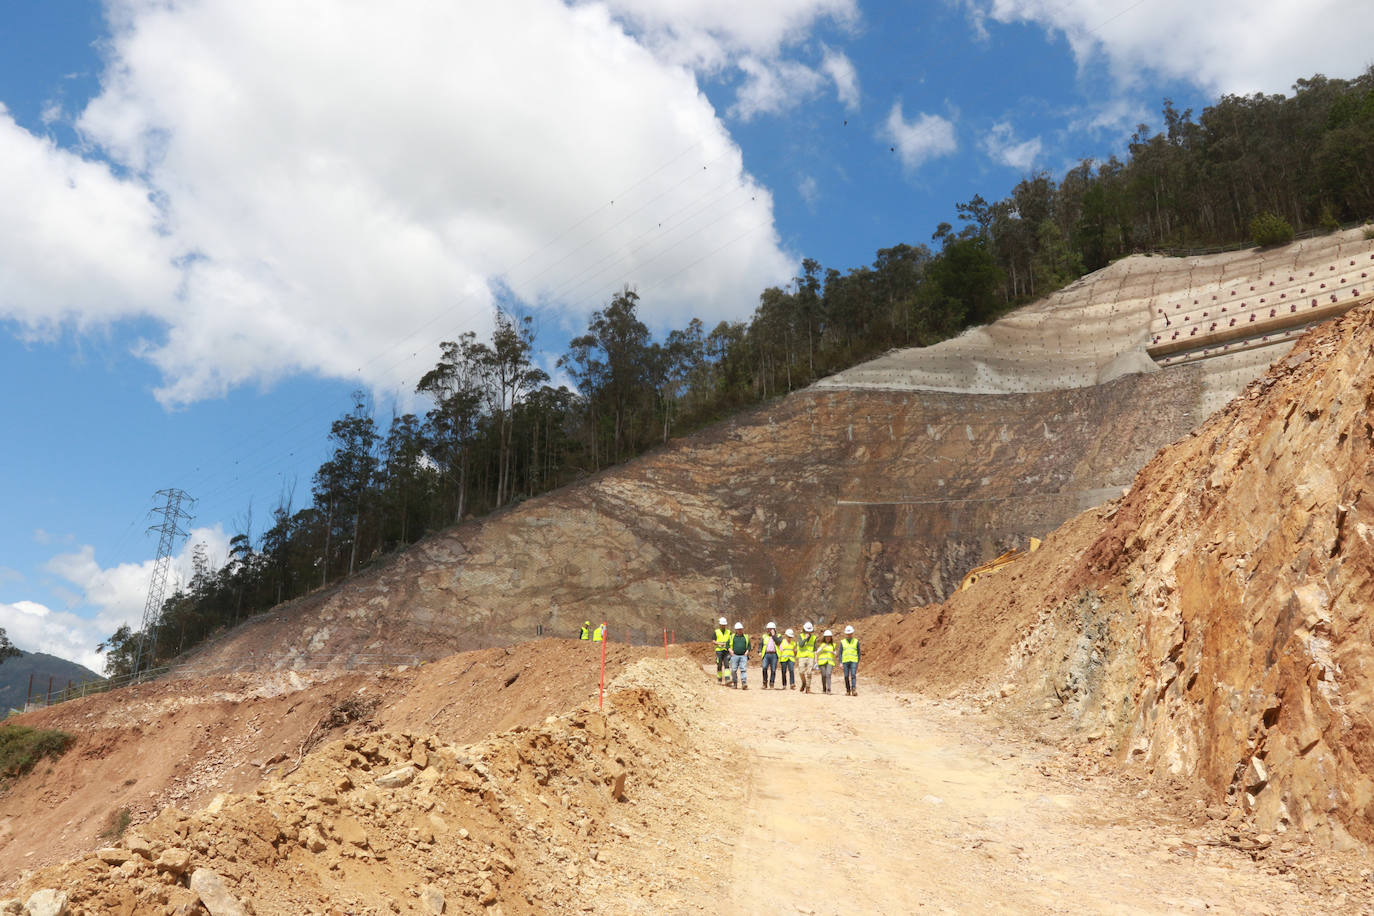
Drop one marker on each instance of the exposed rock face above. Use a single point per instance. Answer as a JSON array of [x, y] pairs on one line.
[[831, 504], [1213, 623]]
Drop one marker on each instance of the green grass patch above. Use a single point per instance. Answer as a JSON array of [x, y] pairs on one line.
[[22, 747]]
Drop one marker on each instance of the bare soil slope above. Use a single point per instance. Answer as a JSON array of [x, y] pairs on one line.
[[180, 742], [1213, 623]]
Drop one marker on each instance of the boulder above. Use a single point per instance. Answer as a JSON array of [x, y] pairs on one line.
[[214, 894], [113, 855], [46, 903], [350, 831], [174, 860], [432, 899], [397, 778]]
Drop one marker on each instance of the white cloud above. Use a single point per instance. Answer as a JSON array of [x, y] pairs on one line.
[[773, 87], [1237, 46], [302, 185], [1001, 145], [34, 627], [928, 137], [108, 598], [841, 70], [809, 190], [709, 34]]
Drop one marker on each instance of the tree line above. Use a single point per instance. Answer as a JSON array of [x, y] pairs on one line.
[[497, 431]]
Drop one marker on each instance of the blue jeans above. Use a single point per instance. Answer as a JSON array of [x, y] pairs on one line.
[[739, 669], [789, 673], [851, 675], [770, 668]]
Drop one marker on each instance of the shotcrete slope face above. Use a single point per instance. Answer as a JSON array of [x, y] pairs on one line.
[[874, 491], [1232, 313]]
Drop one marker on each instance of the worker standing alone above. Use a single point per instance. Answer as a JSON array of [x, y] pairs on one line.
[[849, 661], [739, 658], [722, 652], [787, 659], [806, 656], [599, 634], [769, 647], [825, 659]]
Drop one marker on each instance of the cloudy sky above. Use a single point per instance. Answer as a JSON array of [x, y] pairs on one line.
[[218, 217]]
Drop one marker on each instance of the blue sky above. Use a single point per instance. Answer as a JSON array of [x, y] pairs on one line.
[[223, 216]]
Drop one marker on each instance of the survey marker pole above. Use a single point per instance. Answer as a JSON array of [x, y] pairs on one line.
[[601, 694]]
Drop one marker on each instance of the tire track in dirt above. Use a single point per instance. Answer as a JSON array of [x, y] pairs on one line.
[[891, 803]]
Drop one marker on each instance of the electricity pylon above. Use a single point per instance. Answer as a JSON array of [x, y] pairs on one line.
[[169, 529]]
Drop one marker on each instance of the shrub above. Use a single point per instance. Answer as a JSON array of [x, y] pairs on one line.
[[116, 824], [21, 747], [1270, 229], [1328, 220], [1369, 232]]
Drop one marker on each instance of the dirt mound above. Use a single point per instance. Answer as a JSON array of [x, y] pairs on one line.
[[1212, 623], [394, 822], [179, 742]]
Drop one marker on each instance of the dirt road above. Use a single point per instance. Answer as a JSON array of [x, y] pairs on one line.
[[889, 803]]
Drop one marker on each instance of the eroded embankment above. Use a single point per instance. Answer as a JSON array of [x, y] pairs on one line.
[[179, 742], [388, 822], [1212, 624]]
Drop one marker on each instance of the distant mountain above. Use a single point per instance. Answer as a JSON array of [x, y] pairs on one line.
[[14, 677]]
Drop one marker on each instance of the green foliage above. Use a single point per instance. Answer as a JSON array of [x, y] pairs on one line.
[[1270, 229], [7, 649], [22, 747], [116, 824]]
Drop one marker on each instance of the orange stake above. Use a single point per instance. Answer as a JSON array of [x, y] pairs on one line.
[[601, 695]]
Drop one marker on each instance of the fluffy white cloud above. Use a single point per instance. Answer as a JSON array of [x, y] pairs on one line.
[[841, 71], [34, 627], [1001, 145], [709, 34], [108, 598], [809, 190], [1238, 46], [326, 188], [927, 137], [773, 87]]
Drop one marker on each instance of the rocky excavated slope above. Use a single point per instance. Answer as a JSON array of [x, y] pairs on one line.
[[839, 502], [526, 821], [1213, 623]]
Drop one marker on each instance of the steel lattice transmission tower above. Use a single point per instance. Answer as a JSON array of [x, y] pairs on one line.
[[169, 530]]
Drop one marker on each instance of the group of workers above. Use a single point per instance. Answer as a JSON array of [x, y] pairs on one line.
[[796, 658]]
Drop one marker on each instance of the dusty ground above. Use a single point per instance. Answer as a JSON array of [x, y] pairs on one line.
[[751, 801], [895, 803]]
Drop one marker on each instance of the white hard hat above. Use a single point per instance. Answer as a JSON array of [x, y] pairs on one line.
[[827, 633], [808, 627], [739, 626], [848, 631], [788, 633], [724, 622], [771, 626]]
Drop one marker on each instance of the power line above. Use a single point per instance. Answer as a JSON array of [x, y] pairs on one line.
[[169, 530]]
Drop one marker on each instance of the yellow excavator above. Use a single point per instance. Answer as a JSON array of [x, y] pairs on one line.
[[988, 569]]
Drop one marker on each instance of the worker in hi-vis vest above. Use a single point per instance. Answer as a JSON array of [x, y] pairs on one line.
[[787, 659], [599, 634], [849, 661], [723, 652], [806, 656], [825, 659], [739, 658], [586, 632]]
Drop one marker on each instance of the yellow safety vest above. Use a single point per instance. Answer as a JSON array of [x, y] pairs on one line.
[[806, 647], [787, 651], [723, 639], [825, 653], [849, 649], [599, 635], [584, 632]]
